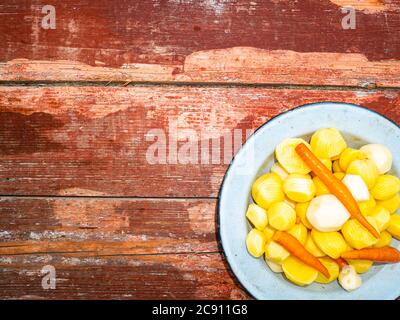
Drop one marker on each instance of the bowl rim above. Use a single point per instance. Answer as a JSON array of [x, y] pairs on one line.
[[272, 119]]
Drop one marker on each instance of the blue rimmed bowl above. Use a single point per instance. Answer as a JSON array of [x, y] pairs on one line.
[[359, 126]]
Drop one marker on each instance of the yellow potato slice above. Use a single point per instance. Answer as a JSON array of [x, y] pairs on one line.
[[275, 252], [277, 168], [298, 272], [301, 211], [327, 143], [366, 169], [392, 204], [299, 188], [331, 243], [281, 216], [289, 159], [257, 216], [348, 156], [255, 242], [269, 233], [382, 217], [333, 269], [394, 226], [299, 231], [275, 267], [313, 248], [267, 190], [320, 187], [367, 207], [357, 236], [361, 266], [386, 186], [384, 240]]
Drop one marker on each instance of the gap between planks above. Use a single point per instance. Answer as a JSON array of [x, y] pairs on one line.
[[370, 87], [82, 254], [36, 197]]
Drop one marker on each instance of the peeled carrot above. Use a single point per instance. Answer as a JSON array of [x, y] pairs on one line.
[[341, 262], [383, 254], [294, 246], [336, 186]]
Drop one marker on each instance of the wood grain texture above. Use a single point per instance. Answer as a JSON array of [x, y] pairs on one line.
[[113, 249], [276, 41], [175, 276], [102, 226], [73, 158], [95, 140]]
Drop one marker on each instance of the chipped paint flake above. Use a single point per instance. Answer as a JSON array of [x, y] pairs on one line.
[[368, 6], [199, 217]]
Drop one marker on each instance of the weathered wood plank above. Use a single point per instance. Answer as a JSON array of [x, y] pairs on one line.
[[96, 140], [282, 41], [104, 226], [107, 248], [175, 276]]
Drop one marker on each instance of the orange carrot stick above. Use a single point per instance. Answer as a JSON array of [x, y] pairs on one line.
[[294, 246], [337, 187], [384, 254], [341, 262]]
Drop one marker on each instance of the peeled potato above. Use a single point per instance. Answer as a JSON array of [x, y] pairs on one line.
[[255, 243], [380, 155], [320, 187], [361, 266], [331, 243], [386, 186], [313, 248], [301, 211], [348, 156], [394, 226], [384, 240], [299, 231], [333, 269], [366, 169], [392, 204], [299, 188], [382, 217], [298, 272], [357, 236], [257, 216], [267, 190], [327, 143], [277, 168], [289, 159], [281, 216], [275, 267], [357, 187], [275, 252], [366, 207], [326, 213]]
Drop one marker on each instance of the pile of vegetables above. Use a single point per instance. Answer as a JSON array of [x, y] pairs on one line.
[[325, 211]]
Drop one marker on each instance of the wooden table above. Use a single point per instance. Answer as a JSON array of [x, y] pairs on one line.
[[79, 105]]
